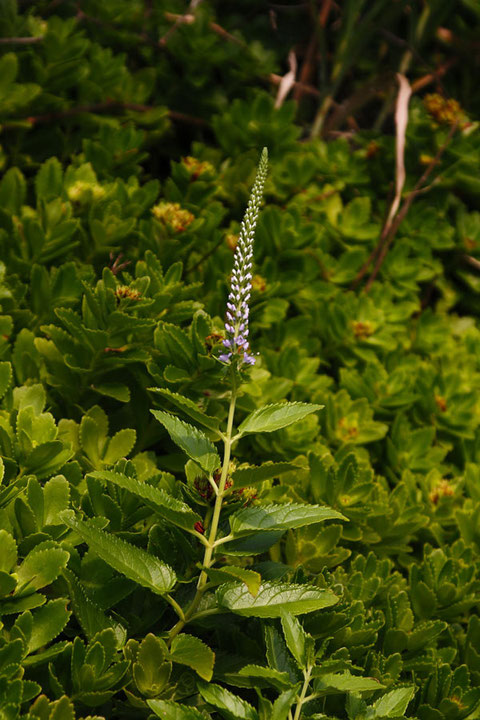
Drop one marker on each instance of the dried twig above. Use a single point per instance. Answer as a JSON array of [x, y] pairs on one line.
[[401, 121], [107, 106], [472, 261], [287, 81], [307, 89], [419, 188], [21, 40]]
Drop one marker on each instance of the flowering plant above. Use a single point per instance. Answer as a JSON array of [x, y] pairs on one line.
[[236, 327]]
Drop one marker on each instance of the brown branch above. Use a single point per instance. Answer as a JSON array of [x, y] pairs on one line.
[[21, 40], [406, 206], [308, 89], [433, 76], [472, 261], [107, 106]]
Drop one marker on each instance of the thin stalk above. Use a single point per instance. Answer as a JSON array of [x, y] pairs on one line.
[[212, 535], [303, 694], [175, 606]]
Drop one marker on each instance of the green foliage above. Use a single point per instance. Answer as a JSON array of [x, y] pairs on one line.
[[329, 567]]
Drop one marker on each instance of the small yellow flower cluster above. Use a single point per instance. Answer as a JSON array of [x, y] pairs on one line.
[[125, 292], [196, 167], [259, 283], [441, 490], [173, 216], [444, 111], [83, 192], [231, 241], [441, 403], [362, 330]]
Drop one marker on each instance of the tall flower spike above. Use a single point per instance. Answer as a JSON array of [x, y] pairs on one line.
[[237, 348]]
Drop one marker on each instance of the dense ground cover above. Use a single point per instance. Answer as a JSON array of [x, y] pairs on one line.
[[347, 581]]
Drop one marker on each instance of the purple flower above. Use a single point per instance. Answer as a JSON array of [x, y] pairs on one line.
[[236, 327]]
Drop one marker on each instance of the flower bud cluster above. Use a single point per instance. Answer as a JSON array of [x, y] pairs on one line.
[[236, 342]]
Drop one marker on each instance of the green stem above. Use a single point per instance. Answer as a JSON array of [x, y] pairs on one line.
[[212, 536], [301, 699], [175, 606]]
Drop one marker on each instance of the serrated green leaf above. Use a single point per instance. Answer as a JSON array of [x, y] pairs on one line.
[[118, 391], [394, 703], [284, 702], [174, 343], [279, 517], [151, 669], [191, 651], [189, 408], [41, 567], [276, 416], [272, 598], [62, 709], [8, 70], [19, 604], [48, 458], [119, 445], [231, 706], [169, 710], [48, 622], [278, 680], [173, 510], [278, 656], [226, 573], [7, 584], [296, 638], [135, 563], [8, 556], [56, 494], [5, 377], [173, 374], [192, 441], [254, 544], [90, 616], [346, 682], [245, 476], [49, 180]]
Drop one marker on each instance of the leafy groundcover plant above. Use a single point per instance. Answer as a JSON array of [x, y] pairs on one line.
[[248, 493], [206, 526]]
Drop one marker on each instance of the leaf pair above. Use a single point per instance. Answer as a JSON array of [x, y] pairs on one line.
[[198, 447]]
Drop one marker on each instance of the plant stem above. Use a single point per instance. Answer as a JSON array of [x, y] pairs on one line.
[[301, 699], [212, 536]]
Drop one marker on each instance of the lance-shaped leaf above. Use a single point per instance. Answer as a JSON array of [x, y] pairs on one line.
[[190, 408], [278, 680], [279, 517], [5, 377], [133, 562], [276, 416], [174, 711], [345, 682], [192, 441], [300, 643], [191, 651], [283, 703], [231, 706], [90, 616], [227, 573], [172, 510], [245, 476], [394, 703], [272, 598]]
